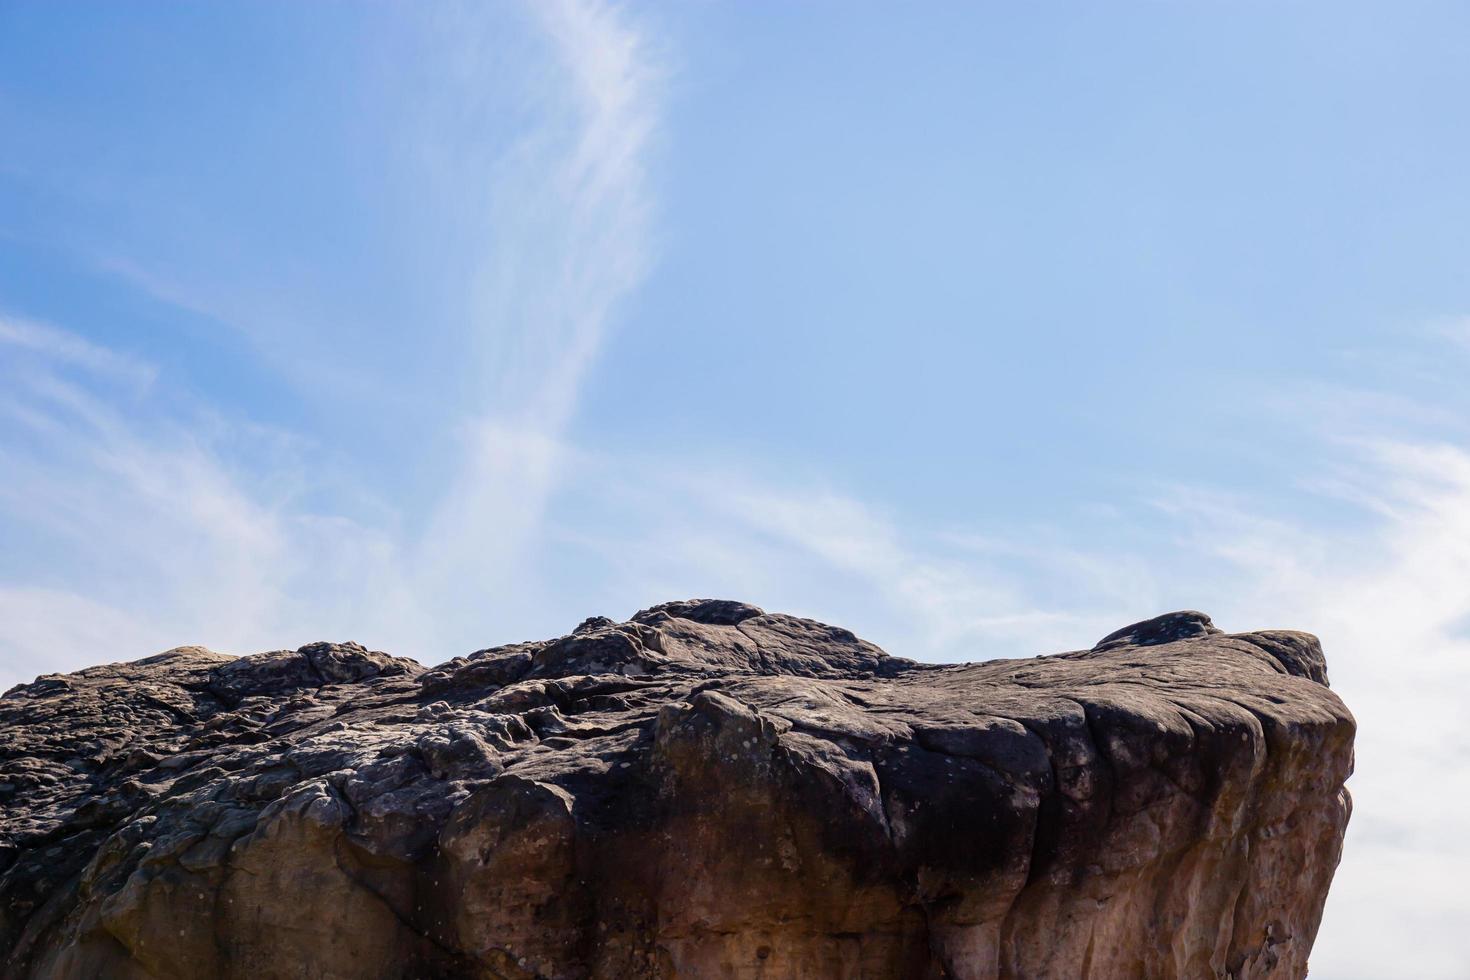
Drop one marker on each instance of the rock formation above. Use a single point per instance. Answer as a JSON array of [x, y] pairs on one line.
[[705, 790]]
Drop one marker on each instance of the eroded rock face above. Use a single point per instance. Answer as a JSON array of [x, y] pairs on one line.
[[706, 790]]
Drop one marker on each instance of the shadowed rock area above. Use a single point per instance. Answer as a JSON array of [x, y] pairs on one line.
[[706, 790]]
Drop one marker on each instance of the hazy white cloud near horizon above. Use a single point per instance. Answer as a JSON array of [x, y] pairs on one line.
[[441, 330]]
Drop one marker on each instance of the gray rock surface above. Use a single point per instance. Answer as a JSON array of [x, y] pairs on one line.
[[706, 790]]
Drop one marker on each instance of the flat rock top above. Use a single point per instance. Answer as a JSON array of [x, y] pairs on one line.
[[210, 742]]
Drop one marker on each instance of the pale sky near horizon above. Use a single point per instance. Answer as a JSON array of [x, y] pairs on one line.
[[980, 330]]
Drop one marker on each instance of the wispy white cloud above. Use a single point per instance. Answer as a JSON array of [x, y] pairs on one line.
[[49, 630], [1455, 329], [150, 532], [665, 526], [574, 208], [145, 529], [158, 519], [62, 347], [954, 605]]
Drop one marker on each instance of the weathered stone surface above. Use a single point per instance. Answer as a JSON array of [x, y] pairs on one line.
[[706, 790]]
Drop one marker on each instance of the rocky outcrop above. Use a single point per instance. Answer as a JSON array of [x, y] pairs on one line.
[[705, 790]]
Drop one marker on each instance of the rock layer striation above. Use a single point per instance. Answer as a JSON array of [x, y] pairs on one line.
[[706, 790]]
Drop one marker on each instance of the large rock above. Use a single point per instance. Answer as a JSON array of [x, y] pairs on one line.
[[706, 790]]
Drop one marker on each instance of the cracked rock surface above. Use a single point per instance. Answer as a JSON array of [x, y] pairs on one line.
[[706, 790]]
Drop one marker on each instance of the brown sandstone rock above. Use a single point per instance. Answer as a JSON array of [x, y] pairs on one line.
[[706, 790]]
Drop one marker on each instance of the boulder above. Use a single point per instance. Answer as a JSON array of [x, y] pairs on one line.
[[705, 790]]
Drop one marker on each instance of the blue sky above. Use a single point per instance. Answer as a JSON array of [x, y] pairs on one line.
[[979, 329]]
